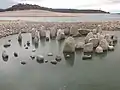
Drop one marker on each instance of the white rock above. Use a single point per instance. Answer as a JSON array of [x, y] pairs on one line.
[[89, 35], [88, 47], [111, 48], [53, 32], [79, 45], [104, 44], [60, 34], [69, 45], [99, 49], [95, 41]]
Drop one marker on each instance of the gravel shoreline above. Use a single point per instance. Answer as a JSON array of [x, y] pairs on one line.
[[14, 27]]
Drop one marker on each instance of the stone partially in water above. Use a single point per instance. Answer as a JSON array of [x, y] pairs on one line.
[[5, 56], [23, 62], [53, 62], [46, 61], [104, 44], [26, 47], [99, 50], [7, 45], [28, 43], [89, 35], [9, 40], [86, 57], [95, 41], [88, 48], [58, 58], [32, 56], [111, 48], [15, 54], [50, 54], [69, 45], [33, 50], [60, 35], [40, 59], [47, 35]]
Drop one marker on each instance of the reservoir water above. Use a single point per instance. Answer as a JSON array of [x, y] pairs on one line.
[[100, 73], [82, 18]]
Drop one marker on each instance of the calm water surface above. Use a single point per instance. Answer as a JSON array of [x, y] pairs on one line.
[[100, 73], [82, 18]]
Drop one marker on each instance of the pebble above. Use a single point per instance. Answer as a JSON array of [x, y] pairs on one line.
[[40, 59], [58, 58], [86, 57], [46, 61], [15, 54], [7, 45], [23, 62], [50, 54], [67, 56], [53, 62], [33, 50]]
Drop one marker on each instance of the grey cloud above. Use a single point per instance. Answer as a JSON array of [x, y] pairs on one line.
[[6, 3]]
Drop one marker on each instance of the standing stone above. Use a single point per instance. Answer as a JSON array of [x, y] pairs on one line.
[[40, 59], [89, 35], [42, 32], [104, 44], [74, 31], [53, 32], [95, 41], [99, 49], [60, 35], [69, 45], [36, 40], [33, 33], [88, 47], [67, 31]]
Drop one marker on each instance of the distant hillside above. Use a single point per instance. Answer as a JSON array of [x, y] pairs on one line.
[[2, 10], [37, 7]]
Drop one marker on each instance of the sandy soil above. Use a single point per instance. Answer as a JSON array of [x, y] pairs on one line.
[[36, 13]]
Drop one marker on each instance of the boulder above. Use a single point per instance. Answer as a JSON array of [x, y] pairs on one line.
[[5, 56], [100, 36], [74, 31], [69, 45], [33, 33], [111, 48], [104, 44], [58, 58], [53, 62], [95, 41], [42, 32], [67, 31], [40, 59], [15, 54], [60, 35], [46, 61], [50, 54], [23, 62], [86, 57], [94, 31], [36, 40], [33, 50], [79, 45], [99, 29], [108, 38], [53, 33], [88, 47], [83, 31], [99, 50], [89, 35]]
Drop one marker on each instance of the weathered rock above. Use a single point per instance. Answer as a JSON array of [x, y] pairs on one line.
[[42, 32], [33, 33], [32, 56], [53, 62], [100, 36], [111, 48], [86, 57], [46, 61], [33, 50], [40, 59], [79, 45], [58, 58], [7, 45], [89, 35], [5, 56], [108, 38], [83, 31], [53, 33], [99, 29], [104, 44], [50, 54], [15, 54], [94, 31], [67, 31], [74, 31], [95, 41], [19, 37], [88, 47], [99, 50], [60, 35], [69, 45]]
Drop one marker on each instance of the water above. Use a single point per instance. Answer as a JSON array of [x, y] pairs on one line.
[[100, 73], [82, 18]]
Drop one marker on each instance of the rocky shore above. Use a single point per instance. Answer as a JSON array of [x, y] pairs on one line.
[[14, 27]]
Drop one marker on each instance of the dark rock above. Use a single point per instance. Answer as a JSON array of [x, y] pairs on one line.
[[53, 62], [58, 58], [7, 45], [33, 50], [46, 61], [40, 59], [86, 57], [9, 40], [26, 47], [23, 62], [5, 56], [15, 54], [32, 57], [47, 38]]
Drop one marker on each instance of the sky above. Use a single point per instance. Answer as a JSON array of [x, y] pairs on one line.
[[106, 5]]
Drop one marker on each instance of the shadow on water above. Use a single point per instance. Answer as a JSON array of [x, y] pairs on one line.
[[20, 43], [102, 55], [69, 60]]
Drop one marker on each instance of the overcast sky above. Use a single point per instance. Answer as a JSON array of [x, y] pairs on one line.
[[107, 5]]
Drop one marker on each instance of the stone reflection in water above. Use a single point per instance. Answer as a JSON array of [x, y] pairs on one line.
[[102, 55], [20, 43], [60, 45], [69, 60], [42, 42]]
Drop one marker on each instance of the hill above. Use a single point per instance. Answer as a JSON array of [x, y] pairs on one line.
[[37, 7]]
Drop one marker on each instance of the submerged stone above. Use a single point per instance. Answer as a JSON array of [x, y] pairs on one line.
[[50, 54], [58, 58], [40, 59], [86, 57], [5, 56], [28, 43], [23, 62], [53, 62], [15, 54]]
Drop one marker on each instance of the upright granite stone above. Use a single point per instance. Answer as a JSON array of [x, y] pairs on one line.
[[60, 34], [104, 44], [89, 35], [95, 41], [42, 32], [69, 45], [79, 45], [53, 32], [99, 50]]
